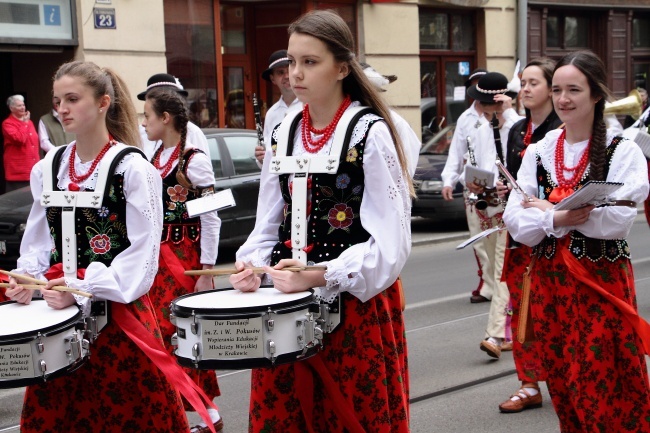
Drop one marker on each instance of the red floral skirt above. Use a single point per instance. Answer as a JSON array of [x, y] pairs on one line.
[[118, 389], [169, 284], [526, 356], [597, 374], [364, 360]]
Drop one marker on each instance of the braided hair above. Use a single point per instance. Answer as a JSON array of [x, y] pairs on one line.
[[167, 100], [594, 70]]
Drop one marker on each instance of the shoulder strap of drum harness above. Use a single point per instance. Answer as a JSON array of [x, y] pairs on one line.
[[301, 167], [68, 201]]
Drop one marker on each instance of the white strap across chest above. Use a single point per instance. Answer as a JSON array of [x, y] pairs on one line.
[[70, 200], [303, 165]]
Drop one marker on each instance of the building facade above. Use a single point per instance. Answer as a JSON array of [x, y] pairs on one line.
[[218, 48]]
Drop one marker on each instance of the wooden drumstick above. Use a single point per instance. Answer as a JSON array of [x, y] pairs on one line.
[[38, 284], [256, 270], [23, 277], [57, 288]]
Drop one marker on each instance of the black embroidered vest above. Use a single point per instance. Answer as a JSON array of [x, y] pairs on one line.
[[334, 222], [580, 245], [101, 233], [176, 223]]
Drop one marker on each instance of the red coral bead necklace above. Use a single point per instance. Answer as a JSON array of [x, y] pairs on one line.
[[565, 186], [164, 169], [560, 168], [72, 173], [311, 145]]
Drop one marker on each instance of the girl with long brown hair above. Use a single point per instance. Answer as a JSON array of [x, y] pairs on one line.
[[591, 339], [358, 222], [119, 388]]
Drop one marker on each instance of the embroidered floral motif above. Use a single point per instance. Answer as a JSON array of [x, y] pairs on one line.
[[54, 253], [175, 207], [352, 155], [340, 216], [342, 181], [177, 193], [100, 244], [103, 212]]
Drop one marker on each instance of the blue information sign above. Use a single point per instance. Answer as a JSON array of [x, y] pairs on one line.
[[104, 18], [463, 68], [52, 15]]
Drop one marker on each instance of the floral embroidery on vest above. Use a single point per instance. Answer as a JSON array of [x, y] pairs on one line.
[[580, 245], [334, 218], [101, 233], [177, 224]]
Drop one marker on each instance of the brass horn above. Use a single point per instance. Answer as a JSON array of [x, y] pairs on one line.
[[630, 105]]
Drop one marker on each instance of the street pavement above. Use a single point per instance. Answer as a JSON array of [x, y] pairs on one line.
[[454, 386]]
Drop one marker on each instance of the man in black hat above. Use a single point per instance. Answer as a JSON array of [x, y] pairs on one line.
[[489, 143], [278, 74], [194, 134], [467, 123]]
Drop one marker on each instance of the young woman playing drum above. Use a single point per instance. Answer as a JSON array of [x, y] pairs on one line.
[[187, 243], [358, 225], [591, 338], [119, 388]]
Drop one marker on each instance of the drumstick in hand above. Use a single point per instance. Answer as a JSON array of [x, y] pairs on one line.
[[57, 288], [255, 270], [38, 284]]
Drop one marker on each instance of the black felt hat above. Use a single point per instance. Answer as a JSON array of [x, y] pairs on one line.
[[277, 59], [490, 84], [160, 80], [476, 73]]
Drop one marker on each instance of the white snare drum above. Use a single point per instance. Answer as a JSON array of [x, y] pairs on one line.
[[229, 329], [38, 342]]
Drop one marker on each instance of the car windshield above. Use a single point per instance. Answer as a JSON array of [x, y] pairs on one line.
[[440, 142]]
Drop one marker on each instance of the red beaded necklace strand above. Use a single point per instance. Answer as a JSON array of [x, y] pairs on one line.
[[313, 146], [167, 167], [560, 168], [527, 138], [72, 173]]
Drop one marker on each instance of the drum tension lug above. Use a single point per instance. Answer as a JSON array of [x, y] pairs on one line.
[[40, 345], [194, 327], [196, 352], [270, 323], [272, 351], [43, 367]]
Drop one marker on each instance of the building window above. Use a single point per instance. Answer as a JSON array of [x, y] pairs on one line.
[[566, 31], [446, 31], [640, 31], [189, 38]]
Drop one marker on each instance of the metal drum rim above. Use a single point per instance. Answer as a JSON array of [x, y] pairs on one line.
[[237, 312]]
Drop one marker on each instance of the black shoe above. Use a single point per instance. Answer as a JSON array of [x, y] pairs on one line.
[[476, 299]]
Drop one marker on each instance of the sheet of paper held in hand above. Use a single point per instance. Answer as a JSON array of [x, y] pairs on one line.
[[479, 236], [592, 192], [479, 176], [217, 201]]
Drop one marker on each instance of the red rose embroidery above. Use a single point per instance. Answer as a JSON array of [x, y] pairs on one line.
[[100, 244], [340, 216], [177, 193]]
